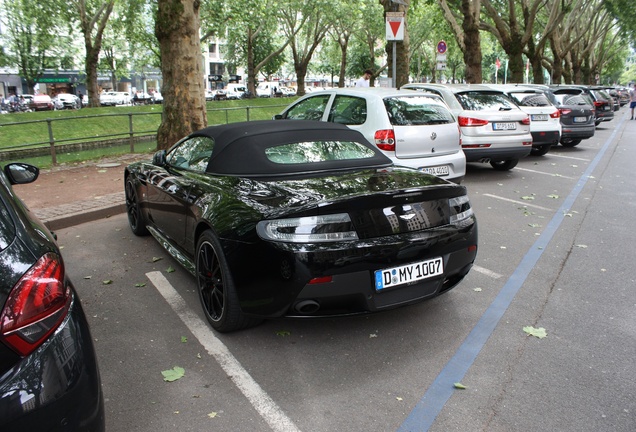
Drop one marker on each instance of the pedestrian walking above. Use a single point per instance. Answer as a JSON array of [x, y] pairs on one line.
[[632, 99], [365, 79]]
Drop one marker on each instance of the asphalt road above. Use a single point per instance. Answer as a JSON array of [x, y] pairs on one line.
[[556, 251]]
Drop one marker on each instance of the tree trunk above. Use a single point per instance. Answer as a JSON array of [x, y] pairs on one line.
[[472, 40], [343, 41], [92, 28], [177, 30], [251, 66], [92, 57]]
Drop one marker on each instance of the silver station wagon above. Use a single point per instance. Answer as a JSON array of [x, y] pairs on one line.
[[416, 130]]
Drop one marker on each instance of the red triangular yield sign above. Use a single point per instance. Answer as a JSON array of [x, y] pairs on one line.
[[395, 26]]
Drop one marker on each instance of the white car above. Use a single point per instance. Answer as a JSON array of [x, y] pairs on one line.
[[416, 130], [66, 101], [545, 123], [494, 129], [236, 91], [114, 98]]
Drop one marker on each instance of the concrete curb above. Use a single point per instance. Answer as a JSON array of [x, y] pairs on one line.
[[67, 215]]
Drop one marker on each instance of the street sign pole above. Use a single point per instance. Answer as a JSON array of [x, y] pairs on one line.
[[394, 32]]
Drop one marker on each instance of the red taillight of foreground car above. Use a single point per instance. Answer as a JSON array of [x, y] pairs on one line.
[[469, 121], [526, 121], [385, 139], [555, 114], [565, 111], [36, 306]]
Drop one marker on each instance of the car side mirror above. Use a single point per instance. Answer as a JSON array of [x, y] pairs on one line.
[[159, 158], [21, 173], [278, 117]]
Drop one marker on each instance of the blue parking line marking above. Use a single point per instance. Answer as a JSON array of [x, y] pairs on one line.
[[428, 408]]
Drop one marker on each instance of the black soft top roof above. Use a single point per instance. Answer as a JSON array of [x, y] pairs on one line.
[[239, 148]]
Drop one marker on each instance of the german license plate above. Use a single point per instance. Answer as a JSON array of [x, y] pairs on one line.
[[442, 170], [504, 126], [539, 117], [606, 108], [392, 277], [580, 119]]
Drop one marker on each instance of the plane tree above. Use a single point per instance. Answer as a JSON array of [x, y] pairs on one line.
[[463, 17], [177, 28]]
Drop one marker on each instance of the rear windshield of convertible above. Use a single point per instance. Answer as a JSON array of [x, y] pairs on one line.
[[307, 152]]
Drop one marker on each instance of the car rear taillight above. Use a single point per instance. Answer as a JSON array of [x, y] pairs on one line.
[[598, 103], [526, 121], [385, 139], [308, 229], [36, 306], [469, 121], [565, 111], [555, 114]]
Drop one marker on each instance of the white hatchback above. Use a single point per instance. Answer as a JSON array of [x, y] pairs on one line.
[[416, 130], [545, 118], [494, 129]]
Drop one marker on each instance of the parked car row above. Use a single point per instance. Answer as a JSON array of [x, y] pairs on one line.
[[497, 124]]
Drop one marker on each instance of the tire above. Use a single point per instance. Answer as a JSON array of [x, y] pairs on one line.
[[217, 292], [136, 220], [570, 142], [504, 165], [540, 150]]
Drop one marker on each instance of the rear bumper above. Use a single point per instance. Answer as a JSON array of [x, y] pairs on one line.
[[456, 163], [496, 154], [578, 132], [541, 138], [279, 281]]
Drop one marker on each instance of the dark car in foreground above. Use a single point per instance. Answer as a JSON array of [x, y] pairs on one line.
[[300, 219], [49, 379]]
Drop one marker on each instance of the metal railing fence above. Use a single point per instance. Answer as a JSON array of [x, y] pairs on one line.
[[99, 132]]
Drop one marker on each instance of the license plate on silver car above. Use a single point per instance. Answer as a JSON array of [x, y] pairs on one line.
[[539, 117], [441, 170], [580, 119], [405, 274], [504, 126]]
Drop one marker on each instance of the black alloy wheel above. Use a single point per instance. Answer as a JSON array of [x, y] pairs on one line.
[[136, 220], [570, 142], [216, 288], [504, 165]]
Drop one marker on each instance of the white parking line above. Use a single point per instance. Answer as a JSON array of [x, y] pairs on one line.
[[487, 272], [525, 204], [266, 407], [568, 157], [543, 172]]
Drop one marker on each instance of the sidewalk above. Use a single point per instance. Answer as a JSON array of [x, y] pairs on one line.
[[68, 195]]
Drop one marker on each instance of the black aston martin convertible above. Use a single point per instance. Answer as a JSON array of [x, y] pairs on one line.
[[300, 219]]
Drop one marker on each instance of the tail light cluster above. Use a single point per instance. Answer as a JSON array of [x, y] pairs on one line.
[[385, 139], [36, 306], [469, 121], [556, 114], [565, 111], [526, 121]]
